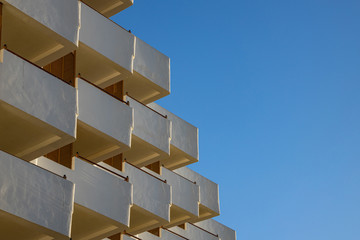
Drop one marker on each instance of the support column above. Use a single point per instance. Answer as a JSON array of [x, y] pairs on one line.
[[116, 162], [117, 90], [64, 68], [63, 156], [155, 167]]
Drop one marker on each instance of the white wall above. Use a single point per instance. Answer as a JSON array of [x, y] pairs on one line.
[[224, 232], [38, 93], [151, 127], [209, 191], [96, 189], [105, 113], [63, 17], [184, 135], [185, 194], [150, 193], [35, 194], [152, 64], [107, 38]]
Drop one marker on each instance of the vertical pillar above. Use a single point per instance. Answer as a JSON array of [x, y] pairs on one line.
[[156, 232], [63, 156], [64, 68], [116, 162], [117, 90], [155, 167], [1, 14]]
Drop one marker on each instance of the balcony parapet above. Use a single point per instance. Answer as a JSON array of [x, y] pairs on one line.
[[209, 194], [151, 76], [106, 52], [34, 203], [105, 123], [184, 148], [224, 232], [185, 198], [102, 199], [194, 232], [151, 136], [39, 110], [109, 8], [41, 31]]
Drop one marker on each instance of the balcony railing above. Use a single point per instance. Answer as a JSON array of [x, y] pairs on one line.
[[175, 233], [104, 16], [164, 181], [101, 89], [102, 167], [202, 229], [7, 49], [164, 116]]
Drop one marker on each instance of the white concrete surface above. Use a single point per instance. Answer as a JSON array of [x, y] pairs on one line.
[[37, 93], [35, 195], [151, 127], [192, 232], [62, 17], [107, 38], [152, 64], [96, 189], [209, 191], [150, 193], [105, 113], [224, 232], [185, 194], [165, 235]]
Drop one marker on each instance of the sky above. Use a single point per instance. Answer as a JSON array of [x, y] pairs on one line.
[[274, 88]]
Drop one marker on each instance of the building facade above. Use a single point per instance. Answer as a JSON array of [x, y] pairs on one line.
[[85, 153]]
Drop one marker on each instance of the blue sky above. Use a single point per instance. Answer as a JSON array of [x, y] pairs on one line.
[[274, 87]]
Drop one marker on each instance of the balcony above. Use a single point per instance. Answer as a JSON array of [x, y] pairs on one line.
[[38, 110], [151, 136], [151, 198], [184, 149], [151, 78], [109, 8], [41, 31], [217, 228], [106, 51], [35, 203], [102, 199], [105, 123], [185, 198], [192, 231], [209, 193], [166, 234]]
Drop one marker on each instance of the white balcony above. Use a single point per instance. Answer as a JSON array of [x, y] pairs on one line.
[[151, 198], [35, 203], [109, 7], [105, 124], [192, 232], [165, 235], [151, 136], [209, 193], [38, 110], [106, 52], [224, 232], [102, 199], [185, 198], [184, 148], [151, 78], [41, 30]]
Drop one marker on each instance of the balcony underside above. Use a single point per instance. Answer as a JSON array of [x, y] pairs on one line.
[[32, 40], [90, 225], [98, 69], [143, 153], [12, 227], [179, 216], [142, 220], [96, 145], [178, 159], [144, 89], [28, 137], [109, 7], [205, 213]]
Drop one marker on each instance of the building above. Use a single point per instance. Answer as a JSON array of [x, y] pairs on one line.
[[84, 151]]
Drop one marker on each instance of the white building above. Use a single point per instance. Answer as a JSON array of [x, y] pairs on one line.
[[84, 151]]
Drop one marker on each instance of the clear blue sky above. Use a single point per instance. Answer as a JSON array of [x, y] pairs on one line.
[[274, 87]]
